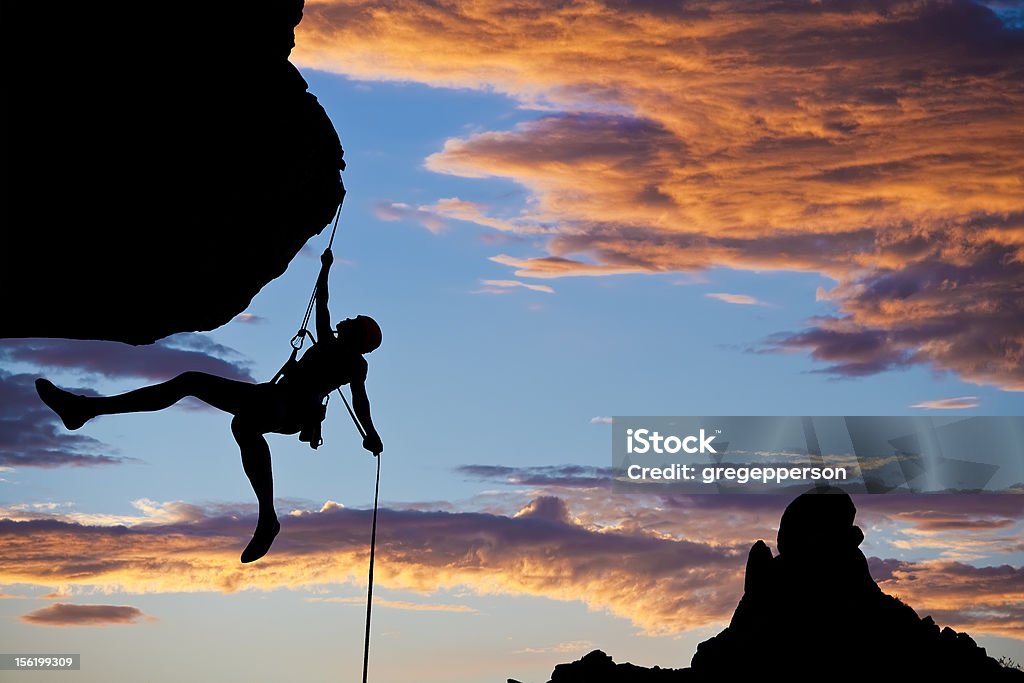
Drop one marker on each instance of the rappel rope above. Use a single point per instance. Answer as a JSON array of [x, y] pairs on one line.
[[312, 297], [296, 343]]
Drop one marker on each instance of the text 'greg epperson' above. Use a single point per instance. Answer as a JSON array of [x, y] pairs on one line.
[[647, 441]]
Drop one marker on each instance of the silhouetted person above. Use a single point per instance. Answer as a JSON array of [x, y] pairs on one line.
[[293, 402]]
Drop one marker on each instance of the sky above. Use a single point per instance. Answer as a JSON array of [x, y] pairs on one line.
[[560, 213]]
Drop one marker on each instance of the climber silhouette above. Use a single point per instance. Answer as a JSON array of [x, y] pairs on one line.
[[293, 402]]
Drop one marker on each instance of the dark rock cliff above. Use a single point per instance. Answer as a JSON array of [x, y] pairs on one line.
[[163, 163]]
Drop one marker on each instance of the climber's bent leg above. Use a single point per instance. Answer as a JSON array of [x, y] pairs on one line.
[[256, 463]]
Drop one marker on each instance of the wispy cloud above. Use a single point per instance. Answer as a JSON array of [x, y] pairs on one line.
[[601, 420], [504, 286], [454, 208], [437, 216], [571, 647], [740, 299], [62, 614], [555, 266], [400, 211], [958, 403], [693, 278], [542, 475]]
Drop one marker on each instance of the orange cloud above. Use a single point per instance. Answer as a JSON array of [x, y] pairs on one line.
[[641, 560], [665, 586], [958, 403], [875, 143], [975, 599]]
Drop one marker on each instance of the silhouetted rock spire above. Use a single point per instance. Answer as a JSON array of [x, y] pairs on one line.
[[813, 612], [814, 608]]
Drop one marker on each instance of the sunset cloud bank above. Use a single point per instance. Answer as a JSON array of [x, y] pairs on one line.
[[662, 581], [537, 552], [872, 142]]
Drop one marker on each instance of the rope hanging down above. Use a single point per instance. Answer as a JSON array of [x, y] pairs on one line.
[[296, 343], [373, 545], [369, 583]]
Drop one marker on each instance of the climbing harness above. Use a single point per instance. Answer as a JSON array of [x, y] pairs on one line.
[[316, 440]]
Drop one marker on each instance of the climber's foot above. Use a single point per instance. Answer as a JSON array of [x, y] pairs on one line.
[[261, 541], [69, 407]]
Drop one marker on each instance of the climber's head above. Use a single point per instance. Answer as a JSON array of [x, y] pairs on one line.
[[362, 332]]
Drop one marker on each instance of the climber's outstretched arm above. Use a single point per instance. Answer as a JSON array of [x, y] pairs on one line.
[[324, 330], [361, 407]]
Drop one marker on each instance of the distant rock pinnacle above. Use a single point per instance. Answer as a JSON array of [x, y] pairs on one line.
[[813, 612]]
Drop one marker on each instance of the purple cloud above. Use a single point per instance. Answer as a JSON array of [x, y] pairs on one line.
[[31, 434], [159, 361], [63, 614], [578, 476]]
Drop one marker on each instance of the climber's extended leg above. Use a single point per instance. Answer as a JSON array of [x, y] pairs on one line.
[[224, 394], [256, 462]]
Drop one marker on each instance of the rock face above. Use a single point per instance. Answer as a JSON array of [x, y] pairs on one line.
[[173, 156], [598, 667], [813, 612]]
